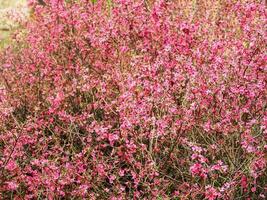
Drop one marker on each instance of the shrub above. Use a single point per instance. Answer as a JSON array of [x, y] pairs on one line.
[[136, 100]]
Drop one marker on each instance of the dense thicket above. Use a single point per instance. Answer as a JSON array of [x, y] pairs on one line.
[[128, 99]]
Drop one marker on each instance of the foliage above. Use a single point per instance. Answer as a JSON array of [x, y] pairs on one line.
[[136, 100]]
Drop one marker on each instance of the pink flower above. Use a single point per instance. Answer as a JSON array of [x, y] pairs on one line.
[[253, 189], [112, 178], [101, 170], [244, 183], [211, 193], [12, 185], [198, 170], [11, 165]]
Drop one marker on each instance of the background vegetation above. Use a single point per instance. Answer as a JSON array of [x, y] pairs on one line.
[[7, 22]]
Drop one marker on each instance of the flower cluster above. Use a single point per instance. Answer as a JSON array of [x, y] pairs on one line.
[[131, 99]]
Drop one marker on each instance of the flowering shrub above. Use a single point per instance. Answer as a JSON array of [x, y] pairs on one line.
[[135, 99]]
